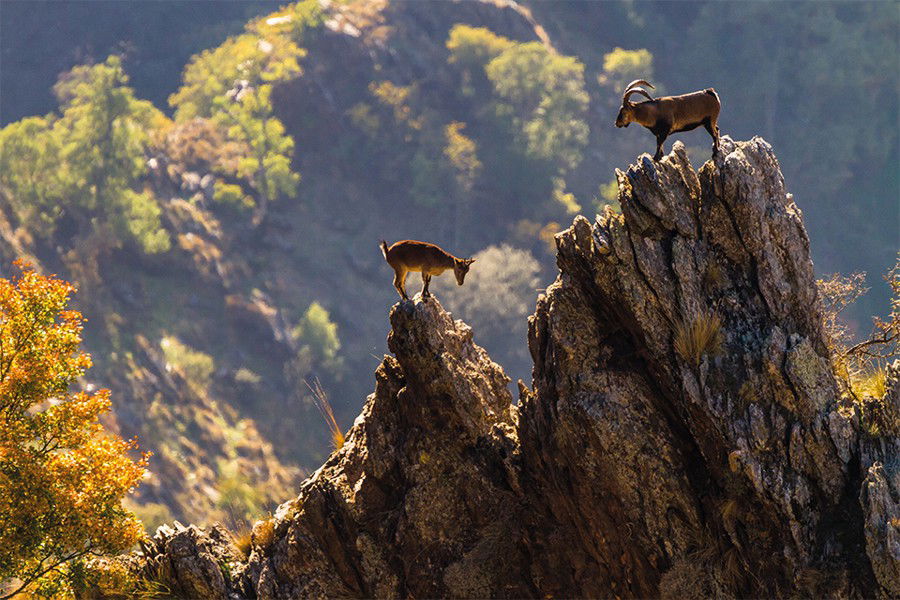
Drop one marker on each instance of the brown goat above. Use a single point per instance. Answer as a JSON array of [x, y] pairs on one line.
[[671, 114], [428, 259]]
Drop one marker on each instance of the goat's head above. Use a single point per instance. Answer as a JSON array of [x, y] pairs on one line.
[[626, 113], [461, 267]]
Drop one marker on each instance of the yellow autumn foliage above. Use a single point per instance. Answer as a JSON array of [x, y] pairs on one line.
[[62, 476]]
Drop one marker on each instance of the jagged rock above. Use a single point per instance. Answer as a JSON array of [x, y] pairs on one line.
[[880, 500], [684, 436], [420, 500], [655, 453], [188, 561]]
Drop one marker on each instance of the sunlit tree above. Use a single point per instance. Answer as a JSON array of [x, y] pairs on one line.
[[232, 86], [87, 163], [62, 477], [103, 132], [29, 169]]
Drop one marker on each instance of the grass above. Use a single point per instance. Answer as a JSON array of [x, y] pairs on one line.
[[873, 383], [261, 535], [242, 540], [700, 337], [321, 401]]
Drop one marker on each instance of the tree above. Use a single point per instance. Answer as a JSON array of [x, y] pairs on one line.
[[104, 131], [533, 130], [62, 476], [249, 118], [29, 156], [318, 333], [623, 66], [232, 85], [87, 163], [543, 93]]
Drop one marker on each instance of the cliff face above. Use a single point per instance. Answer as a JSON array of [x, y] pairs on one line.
[[683, 437]]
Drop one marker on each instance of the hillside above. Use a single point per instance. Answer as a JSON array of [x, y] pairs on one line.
[[646, 461], [224, 243]]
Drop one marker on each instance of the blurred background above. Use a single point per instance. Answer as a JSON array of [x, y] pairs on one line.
[[215, 177]]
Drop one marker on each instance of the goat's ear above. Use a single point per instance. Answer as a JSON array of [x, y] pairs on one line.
[[469, 261]]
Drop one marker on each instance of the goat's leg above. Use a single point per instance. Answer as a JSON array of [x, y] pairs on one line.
[[660, 139], [399, 281], [426, 279], [713, 129]]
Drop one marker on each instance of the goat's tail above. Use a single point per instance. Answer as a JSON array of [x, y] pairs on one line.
[[712, 92], [384, 249]]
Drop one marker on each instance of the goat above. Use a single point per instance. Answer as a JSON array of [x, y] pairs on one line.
[[410, 255], [671, 114]]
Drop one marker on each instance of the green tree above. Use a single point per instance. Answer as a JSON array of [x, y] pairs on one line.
[[248, 116], [30, 170], [232, 85], [88, 162], [317, 332], [104, 131], [543, 93], [623, 66], [471, 48]]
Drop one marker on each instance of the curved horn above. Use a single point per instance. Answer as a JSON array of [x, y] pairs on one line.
[[639, 82], [637, 90]]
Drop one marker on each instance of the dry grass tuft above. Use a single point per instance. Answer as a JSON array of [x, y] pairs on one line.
[[702, 336], [242, 540], [321, 400]]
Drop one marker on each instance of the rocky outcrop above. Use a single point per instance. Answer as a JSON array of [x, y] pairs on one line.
[[685, 428], [684, 436]]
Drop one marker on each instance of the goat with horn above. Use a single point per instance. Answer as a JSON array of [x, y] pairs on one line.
[[670, 114]]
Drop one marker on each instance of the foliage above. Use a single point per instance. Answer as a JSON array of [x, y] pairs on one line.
[[250, 57], [474, 47], [238, 497], [28, 168], [232, 85], [543, 93], [196, 366], [609, 196], [62, 477], [621, 66], [248, 117], [151, 515], [530, 117], [462, 154], [230, 194], [317, 332], [111, 578], [200, 145], [87, 162], [845, 59], [564, 198], [860, 367]]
